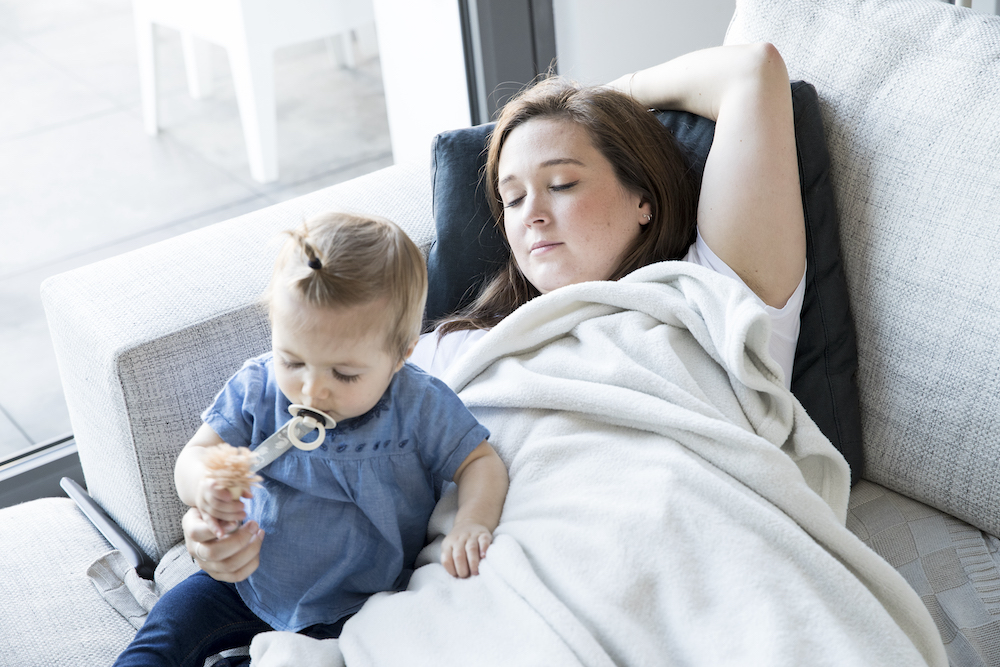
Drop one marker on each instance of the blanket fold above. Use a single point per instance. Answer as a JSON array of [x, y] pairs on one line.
[[670, 502]]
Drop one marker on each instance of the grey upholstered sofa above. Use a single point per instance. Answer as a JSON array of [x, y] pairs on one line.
[[910, 96]]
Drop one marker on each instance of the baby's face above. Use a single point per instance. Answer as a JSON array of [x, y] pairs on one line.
[[332, 359]]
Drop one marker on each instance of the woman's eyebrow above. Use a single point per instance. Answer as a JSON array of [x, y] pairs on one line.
[[562, 160], [548, 163]]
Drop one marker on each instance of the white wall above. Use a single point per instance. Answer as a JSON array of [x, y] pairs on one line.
[[423, 73], [597, 40], [423, 68]]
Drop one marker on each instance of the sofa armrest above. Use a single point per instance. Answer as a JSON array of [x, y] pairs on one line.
[[136, 557], [146, 339]]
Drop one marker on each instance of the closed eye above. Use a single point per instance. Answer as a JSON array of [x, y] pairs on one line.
[[562, 187], [346, 378], [291, 364]]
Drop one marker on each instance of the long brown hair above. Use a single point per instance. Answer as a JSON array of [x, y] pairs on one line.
[[646, 160]]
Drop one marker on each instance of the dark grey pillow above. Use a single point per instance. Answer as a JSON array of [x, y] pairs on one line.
[[469, 248]]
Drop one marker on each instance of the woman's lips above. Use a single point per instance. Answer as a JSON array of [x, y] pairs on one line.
[[543, 246]]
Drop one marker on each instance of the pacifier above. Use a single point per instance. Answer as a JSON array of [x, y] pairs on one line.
[[313, 420]]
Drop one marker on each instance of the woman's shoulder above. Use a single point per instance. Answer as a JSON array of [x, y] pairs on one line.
[[435, 353]]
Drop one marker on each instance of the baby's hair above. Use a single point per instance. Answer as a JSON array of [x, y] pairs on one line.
[[337, 260]]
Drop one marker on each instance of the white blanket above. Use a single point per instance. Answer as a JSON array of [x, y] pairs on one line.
[[670, 503]]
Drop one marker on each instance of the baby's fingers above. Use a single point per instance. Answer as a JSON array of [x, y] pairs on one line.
[[472, 555], [485, 540], [219, 528], [448, 560], [454, 557], [217, 501], [228, 513], [461, 561]]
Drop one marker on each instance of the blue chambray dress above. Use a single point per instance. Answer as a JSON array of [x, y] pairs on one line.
[[345, 520]]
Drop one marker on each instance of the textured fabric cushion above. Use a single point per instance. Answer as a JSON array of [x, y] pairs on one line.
[[469, 246], [910, 93], [146, 339], [51, 613], [954, 567]]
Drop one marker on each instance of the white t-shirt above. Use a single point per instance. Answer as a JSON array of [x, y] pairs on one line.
[[436, 355]]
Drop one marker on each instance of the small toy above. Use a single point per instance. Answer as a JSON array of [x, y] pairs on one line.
[[232, 467]]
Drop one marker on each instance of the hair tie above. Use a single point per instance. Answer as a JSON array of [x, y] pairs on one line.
[[315, 264]]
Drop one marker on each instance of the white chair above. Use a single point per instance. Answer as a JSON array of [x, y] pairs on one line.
[[249, 31]]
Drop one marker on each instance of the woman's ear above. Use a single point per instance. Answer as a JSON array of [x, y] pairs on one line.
[[645, 212]]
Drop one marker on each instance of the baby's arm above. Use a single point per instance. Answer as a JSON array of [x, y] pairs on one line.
[[197, 488], [482, 487]]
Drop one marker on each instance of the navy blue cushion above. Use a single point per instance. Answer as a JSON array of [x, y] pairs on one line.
[[468, 245], [469, 248]]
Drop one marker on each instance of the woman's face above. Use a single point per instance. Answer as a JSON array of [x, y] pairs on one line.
[[567, 217]]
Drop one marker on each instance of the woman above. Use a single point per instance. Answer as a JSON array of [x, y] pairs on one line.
[[579, 205]]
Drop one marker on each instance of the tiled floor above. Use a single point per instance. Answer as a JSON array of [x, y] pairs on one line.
[[80, 181]]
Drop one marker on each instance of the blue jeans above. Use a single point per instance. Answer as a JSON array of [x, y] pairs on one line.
[[196, 619]]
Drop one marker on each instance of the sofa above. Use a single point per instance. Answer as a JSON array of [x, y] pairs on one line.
[[908, 94]]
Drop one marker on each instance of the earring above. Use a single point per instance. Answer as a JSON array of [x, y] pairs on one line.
[[649, 218]]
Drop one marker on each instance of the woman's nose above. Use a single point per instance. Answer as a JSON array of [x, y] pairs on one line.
[[535, 210]]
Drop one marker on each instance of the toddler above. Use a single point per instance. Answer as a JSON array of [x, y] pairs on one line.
[[347, 519]]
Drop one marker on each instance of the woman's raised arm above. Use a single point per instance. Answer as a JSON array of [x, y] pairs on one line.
[[750, 208]]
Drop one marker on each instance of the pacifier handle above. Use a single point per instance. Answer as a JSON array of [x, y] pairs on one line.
[[316, 420]]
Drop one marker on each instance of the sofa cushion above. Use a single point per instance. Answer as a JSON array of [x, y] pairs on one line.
[[469, 247], [910, 93], [52, 614], [953, 567]]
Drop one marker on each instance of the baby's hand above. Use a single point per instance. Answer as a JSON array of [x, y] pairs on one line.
[[219, 508], [464, 547]]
